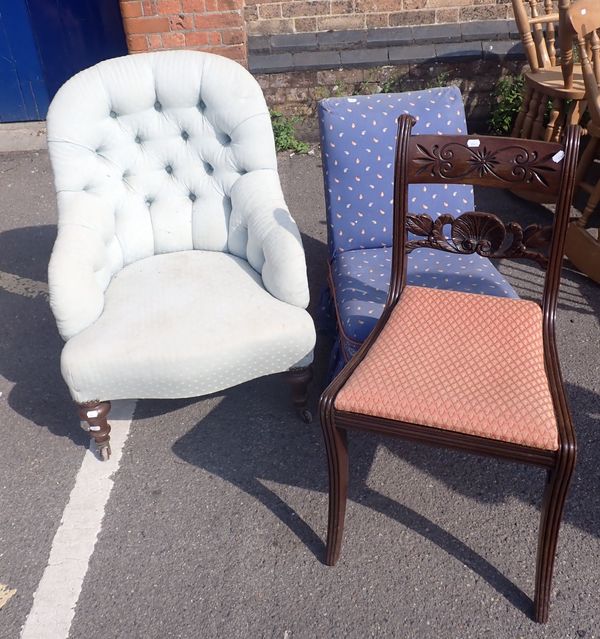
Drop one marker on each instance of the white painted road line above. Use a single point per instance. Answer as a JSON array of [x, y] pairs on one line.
[[57, 593]]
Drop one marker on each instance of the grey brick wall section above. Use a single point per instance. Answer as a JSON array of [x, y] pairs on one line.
[[365, 57], [293, 42], [372, 47]]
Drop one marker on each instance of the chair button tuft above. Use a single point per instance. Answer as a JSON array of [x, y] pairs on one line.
[[113, 114], [201, 105], [169, 169], [185, 135], [138, 139], [210, 169], [192, 197], [157, 106]]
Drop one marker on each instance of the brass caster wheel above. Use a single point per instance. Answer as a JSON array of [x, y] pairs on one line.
[[305, 415]]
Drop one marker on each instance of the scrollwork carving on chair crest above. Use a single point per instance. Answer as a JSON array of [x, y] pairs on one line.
[[512, 163], [481, 233]]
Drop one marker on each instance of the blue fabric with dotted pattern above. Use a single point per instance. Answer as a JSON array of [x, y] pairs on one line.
[[358, 137]]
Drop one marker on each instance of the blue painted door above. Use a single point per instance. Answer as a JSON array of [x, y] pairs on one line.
[[44, 42], [23, 93], [75, 34]]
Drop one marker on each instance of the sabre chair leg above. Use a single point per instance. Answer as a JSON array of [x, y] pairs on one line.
[[299, 379], [336, 444], [94, 416], [552, 508]]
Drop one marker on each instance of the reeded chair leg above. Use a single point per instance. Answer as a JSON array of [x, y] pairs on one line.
[[336, 444], [94, 416], [299, 379], [552, 507]]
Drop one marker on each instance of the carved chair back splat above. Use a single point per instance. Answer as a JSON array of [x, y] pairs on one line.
[[353, 402]]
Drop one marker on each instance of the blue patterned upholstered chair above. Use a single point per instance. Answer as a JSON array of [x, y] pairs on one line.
[[358, 142]]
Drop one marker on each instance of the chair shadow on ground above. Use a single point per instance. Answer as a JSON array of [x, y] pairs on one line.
[[31, 346], [267, 446]]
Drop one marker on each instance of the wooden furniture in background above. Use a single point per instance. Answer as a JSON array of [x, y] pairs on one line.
[[583, 248], [552, 77], [471, 372]]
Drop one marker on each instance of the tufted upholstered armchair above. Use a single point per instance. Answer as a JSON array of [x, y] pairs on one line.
[[177, 270]]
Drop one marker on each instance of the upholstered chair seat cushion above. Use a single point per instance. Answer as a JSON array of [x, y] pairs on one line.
[[456, 361], [185, 324]]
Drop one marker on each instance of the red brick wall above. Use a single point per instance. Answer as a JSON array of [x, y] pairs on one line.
[[207, 25], [268, 17]]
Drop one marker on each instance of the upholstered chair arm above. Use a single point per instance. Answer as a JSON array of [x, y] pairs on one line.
[[83, 261], [262, 231]]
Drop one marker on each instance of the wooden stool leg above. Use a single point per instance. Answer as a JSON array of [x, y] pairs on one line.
[[94, 414], [552, 507], [336, 444]]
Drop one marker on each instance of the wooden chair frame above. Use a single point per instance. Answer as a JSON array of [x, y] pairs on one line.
[[551, 78], [584, 24], [485, 161]]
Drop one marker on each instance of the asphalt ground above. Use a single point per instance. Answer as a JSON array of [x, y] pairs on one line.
[[216, 522]]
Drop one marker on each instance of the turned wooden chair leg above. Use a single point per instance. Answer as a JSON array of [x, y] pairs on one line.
[[537, 132], [518, 125], [299, 379], [533, 107], [552, 507], [555, 114], [336, 444], [94, 415]]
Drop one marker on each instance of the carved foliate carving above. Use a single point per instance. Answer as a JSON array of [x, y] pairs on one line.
[[509, 163], [481, 233]]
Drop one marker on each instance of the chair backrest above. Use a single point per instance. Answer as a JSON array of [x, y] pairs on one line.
[[529, 165], [584, 23], [357, 147], [539, 26], [146, 148]]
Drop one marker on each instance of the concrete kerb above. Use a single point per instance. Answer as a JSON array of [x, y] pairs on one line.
[[22, 136]]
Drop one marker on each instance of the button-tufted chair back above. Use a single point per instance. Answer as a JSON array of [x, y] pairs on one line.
[[146, 149]]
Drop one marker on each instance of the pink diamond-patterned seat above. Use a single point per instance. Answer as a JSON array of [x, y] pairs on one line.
[[468, 363]]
